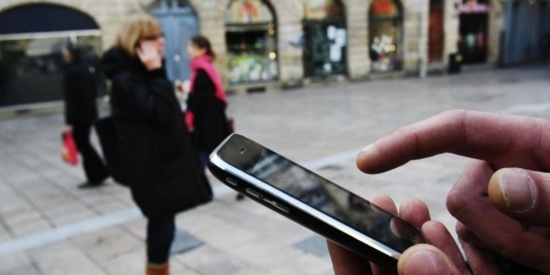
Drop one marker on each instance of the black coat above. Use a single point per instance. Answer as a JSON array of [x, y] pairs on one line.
[[211, 125], [158, 162], [80, 93]]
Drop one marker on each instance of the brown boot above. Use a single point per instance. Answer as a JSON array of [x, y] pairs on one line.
[[155, 269]]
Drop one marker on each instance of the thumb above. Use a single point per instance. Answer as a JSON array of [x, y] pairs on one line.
[[522, 194], [425, 259]]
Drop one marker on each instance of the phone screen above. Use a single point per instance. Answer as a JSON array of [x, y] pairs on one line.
[[321, 194]]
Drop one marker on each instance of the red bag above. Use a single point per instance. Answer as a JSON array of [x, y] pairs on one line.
[[69, 153]]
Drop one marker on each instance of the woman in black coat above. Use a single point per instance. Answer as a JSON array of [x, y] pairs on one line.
[[206, 102], [80, 94], [158, 162]]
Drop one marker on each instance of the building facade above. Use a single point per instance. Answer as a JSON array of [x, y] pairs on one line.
[[269, 44]]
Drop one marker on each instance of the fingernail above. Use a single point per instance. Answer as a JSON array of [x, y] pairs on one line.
[[364, 153], [366, 150], [518, 190], [425, 262]]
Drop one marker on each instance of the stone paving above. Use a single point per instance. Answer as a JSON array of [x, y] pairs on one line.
[[48, 226]]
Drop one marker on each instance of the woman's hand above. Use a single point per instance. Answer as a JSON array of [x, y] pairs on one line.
[[149, 55], [183, 87], [67, 129]]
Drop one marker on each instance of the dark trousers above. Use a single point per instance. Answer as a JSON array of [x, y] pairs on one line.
[[160, 234], [94, 168], [203, 159]]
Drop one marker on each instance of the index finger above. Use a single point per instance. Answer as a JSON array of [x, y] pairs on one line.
[[502, 140]]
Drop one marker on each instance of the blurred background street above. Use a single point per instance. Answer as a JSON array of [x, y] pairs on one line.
[[49, 226], [316, 80]]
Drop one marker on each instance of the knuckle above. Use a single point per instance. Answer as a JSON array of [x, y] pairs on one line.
[[455, 203]]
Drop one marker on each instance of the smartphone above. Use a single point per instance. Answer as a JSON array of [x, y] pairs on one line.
[[312, 201]]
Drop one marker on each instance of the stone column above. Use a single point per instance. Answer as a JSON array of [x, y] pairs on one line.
[[452, 29], [357, 27], [416, 14], [289, 14], [496, 26]]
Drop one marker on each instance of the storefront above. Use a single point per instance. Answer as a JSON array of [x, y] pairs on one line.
[[386, 35], [474, 21], [31, 39], [251, 37], [325, 38], [179, 23]]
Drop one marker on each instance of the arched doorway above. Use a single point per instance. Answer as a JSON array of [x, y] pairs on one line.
[[251, 37], [325, 39], [386, 35], [179, 23], [31, 39]]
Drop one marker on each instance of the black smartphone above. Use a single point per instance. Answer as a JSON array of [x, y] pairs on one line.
[[312, 201]]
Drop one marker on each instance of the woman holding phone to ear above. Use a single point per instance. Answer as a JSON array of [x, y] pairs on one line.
[[154, 145]]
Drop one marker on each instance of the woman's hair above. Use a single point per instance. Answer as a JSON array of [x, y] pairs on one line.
[[136, 27], [203, 43]]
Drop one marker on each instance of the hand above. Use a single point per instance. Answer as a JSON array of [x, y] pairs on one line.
[[67, 129], [149, 55], [419, 259], [500, 201], [184, 87]]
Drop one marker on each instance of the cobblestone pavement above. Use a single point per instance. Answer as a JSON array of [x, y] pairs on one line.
[[48, 226]]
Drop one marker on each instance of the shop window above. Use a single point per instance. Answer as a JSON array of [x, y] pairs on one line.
[[385, 35], [31, 39], [474, 18], [251, 37], [325, 38]]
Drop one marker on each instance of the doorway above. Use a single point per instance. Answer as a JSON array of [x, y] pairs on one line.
[[436, 35], [325, 39], [179, 24]]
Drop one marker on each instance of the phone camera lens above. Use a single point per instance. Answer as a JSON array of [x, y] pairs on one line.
[[242, 151]]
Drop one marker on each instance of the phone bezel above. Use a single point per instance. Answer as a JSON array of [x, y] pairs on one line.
[[222, 169]]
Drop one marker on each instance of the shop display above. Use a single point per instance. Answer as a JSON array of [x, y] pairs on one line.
[[385, 36], [245, 68], [251, 39]]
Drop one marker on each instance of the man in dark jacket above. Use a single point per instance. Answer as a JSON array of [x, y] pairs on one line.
[[80, 93]]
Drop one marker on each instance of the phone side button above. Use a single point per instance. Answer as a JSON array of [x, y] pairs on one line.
[[231, 181], [281, 207], [254, 193]]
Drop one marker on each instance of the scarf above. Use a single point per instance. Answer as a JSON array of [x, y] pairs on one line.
[[204, 63]]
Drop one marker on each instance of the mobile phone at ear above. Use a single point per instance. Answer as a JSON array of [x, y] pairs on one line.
[[312, 201]]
